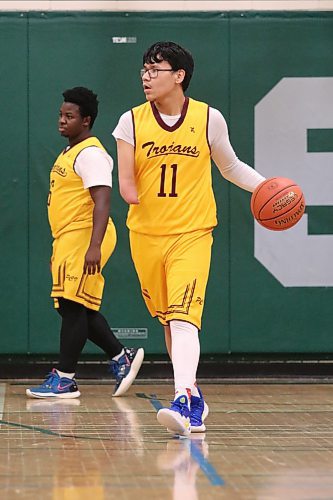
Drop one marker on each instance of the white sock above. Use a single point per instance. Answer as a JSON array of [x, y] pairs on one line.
[[185, 355], [63, 374], [115, 358]]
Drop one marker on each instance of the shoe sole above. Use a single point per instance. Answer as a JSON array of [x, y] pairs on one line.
[[168, 418], [66, 395], [128, 381], [201, 428]]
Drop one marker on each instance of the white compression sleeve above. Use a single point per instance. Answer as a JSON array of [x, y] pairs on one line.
[[232, 169], [185, 354]]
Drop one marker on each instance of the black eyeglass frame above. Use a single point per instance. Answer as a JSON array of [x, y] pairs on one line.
[[143, 71]]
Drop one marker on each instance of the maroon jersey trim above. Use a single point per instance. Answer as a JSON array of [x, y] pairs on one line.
[[207, 123], [162, 124], [134, 134]]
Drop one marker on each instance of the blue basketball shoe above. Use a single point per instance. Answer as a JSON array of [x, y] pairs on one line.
[[176, 418], [55, 386], [126, 369], [199, 412]]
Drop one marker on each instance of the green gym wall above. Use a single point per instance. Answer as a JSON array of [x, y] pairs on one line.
[[239, 59]]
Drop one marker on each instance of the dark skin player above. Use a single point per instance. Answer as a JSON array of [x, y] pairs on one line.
[[77, 129]]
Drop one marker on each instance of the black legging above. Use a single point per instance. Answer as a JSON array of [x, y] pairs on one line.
[[78, 325]]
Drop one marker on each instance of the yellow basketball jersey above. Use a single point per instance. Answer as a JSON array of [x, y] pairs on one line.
[[70, 206], [172, 172]]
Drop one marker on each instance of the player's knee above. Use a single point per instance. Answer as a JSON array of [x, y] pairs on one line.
[[68, 307]]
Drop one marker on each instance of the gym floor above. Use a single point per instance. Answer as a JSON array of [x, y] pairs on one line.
[[264, 441]]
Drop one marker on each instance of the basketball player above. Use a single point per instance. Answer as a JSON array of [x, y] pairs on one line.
[[165, 148], [84, 239]]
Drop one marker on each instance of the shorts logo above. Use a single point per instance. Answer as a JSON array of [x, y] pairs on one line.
[[71, 278], [199, 300]]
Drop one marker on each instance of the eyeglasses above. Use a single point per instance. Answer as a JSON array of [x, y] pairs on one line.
[[153, 73]]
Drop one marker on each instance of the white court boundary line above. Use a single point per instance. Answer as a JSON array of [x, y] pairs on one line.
[[2, 399]]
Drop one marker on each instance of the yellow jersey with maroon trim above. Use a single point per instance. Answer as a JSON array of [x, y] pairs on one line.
[[70, 205], [172, 172]]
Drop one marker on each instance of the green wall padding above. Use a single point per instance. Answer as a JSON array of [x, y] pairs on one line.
[[239, 57]]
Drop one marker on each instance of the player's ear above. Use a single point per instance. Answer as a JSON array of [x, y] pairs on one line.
[[180, 75], [86, 121]]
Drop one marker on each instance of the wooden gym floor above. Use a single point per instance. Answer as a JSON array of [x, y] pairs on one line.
[[263, 442]]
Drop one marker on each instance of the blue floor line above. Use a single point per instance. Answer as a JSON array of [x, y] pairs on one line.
[[205, 466], [214, 478], [155, 402]]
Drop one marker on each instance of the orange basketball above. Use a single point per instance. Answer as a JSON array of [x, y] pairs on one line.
[[278, 203]]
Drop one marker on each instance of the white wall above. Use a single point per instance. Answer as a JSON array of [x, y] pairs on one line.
[[154, 5]]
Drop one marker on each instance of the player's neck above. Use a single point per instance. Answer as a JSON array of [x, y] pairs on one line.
[[73, 141], [170, 105]]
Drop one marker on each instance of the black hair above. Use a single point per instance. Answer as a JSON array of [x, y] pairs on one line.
[[175, 55], [85, 99]]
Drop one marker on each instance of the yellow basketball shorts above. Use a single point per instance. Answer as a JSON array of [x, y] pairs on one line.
[[173, 273], [67, 261]]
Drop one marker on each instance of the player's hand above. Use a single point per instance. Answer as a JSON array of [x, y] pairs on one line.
[[92, 260]]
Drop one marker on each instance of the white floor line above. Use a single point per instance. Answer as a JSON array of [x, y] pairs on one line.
[[2, 398]]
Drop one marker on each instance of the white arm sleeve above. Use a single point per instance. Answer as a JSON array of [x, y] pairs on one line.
[[124, 129], [233, 169], [94, 166]]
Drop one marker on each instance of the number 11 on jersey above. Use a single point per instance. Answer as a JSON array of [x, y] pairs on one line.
[[165, 176]]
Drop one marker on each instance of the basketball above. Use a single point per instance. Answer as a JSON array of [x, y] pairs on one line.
[[278, 203]]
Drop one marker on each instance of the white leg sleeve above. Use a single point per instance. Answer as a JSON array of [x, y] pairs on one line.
[[185, 354]]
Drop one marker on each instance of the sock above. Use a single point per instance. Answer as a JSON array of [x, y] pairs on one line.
[[185, 355], [116, 358], [63, 374]]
